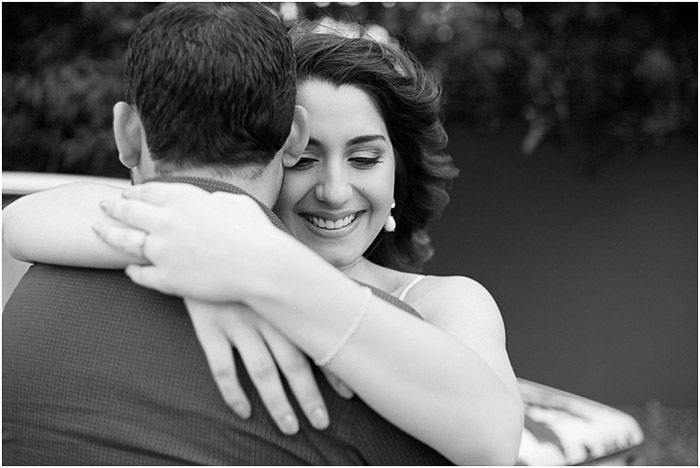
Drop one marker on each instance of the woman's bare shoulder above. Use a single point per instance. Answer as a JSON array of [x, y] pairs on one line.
[[448, 288], [439, 298]]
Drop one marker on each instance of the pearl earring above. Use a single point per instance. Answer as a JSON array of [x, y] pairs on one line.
[[390, 224]]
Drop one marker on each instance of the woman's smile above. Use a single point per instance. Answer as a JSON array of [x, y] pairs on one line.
[[332, 225], [330, 222]]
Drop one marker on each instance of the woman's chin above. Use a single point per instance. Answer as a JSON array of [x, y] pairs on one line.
[[339, 258]]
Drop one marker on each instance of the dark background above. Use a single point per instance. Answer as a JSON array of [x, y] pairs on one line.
[[575, 129]]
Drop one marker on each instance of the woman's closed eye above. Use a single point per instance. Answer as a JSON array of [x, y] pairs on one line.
[[365, 159], [304, 162]]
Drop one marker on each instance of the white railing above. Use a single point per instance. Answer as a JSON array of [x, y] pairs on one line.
[[23, 183]]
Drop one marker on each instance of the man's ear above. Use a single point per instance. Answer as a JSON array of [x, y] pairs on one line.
[[298, 138], [127, 134]]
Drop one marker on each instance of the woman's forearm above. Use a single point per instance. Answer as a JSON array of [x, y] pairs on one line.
[[55, 226], [420, 378]]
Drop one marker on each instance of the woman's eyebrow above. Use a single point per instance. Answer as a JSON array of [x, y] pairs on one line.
[[352, 141], [314, 142], [365, 139]]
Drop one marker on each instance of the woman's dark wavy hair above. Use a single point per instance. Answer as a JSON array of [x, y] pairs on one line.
[[410, 102]]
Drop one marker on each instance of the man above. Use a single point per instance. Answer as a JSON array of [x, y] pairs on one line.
[[97, 370]]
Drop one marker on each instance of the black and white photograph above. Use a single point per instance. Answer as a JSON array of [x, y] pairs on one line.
[[350, 233]]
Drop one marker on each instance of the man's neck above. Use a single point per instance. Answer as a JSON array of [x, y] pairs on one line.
[[262, 185]]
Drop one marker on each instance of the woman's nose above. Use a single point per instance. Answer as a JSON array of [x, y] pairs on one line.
[[334, 189]]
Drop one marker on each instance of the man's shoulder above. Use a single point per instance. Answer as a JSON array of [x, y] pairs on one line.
[[40, 272], [205, 183], [54, 286]]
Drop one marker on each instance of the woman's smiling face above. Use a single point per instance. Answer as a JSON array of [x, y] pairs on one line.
[[337, 198]]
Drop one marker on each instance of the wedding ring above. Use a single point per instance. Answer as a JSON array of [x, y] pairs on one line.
[[142, 244]]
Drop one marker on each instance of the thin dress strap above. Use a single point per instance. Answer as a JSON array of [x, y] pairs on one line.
[[415, 281]]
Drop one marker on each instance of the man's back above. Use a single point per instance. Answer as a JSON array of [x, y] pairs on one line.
[[97, 370]]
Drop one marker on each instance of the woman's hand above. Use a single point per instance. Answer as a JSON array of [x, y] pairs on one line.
[[263, 349], [210, 246], [190, 232]]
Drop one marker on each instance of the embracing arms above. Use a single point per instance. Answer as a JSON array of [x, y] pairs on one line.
[[459, 398], [55, 226]]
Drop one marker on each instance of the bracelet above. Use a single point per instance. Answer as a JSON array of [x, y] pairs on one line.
[[353, 328]]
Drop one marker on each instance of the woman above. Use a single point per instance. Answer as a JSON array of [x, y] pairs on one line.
[[372, 178]]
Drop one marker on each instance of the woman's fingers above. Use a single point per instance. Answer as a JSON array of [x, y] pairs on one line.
[[295, 367], [134, 213], [263, 372], [338, 385], [128, 240], [149, 277], [219, 354]]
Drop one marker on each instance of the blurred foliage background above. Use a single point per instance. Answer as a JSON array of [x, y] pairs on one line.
[[615, 77]]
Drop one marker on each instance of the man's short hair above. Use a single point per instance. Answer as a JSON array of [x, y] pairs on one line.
[[214, 84]]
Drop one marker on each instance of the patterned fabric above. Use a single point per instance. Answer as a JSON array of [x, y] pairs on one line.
[[566, 429], [99, 371]]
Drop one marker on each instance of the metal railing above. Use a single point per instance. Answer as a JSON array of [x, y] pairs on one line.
[[23, 183]]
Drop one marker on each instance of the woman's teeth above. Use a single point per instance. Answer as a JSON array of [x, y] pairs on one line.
[[330, 224]]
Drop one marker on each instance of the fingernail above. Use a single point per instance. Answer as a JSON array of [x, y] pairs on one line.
[[345, 391], [289, 424], [319, 418], [242, 410]]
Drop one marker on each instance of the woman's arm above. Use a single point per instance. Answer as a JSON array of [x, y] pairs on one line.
[[55, 226], [458, 398], [426, 381]]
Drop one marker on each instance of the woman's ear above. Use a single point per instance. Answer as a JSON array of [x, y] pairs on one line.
[[298, 138], [127, 134]]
